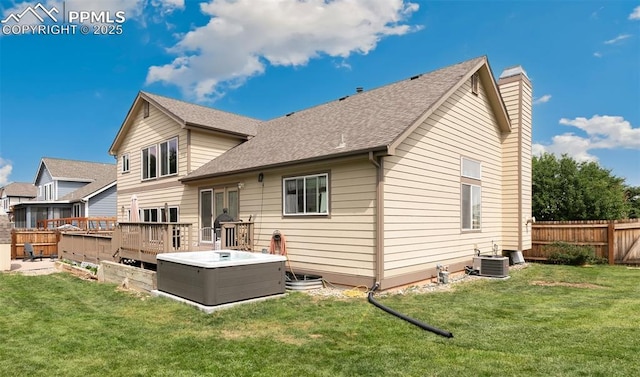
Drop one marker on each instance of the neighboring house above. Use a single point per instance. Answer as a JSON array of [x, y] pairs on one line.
[[382, 185], [14, 193], [69, 188]]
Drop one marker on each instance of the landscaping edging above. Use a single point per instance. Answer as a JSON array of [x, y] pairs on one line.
[[127, 276], [75, 270]]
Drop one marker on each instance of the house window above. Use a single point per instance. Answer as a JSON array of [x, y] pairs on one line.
[[306, 195], [173, 215], [150, 215], [475, 83], [77, 211], [471, 194], [125, 163], [169, 157], [48, 191], [145, 109], [162, 157], [158, 215], [149, 163], [471, 207], [471, 169]]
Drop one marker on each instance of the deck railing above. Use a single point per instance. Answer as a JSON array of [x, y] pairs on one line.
[[90, 224], [143, 241], [237, 235]]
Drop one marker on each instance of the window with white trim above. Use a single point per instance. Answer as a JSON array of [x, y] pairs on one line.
[[160, 160], [169, 157], [125, 163], [471, 194], [48, 191], [149, 162], [145, 109], [306, 195], [471, 169], [158, 215], [76, 210]]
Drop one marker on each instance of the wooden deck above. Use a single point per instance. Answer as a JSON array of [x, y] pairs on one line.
[[144, 241]]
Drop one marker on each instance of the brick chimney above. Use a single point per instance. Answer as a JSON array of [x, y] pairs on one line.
[[516, 91]]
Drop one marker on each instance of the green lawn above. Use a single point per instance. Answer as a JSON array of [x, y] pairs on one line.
[[546, 321]]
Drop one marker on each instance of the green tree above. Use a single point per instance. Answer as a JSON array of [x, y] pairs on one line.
[[633, 200], [564, 189]]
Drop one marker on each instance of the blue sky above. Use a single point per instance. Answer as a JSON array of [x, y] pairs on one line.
[[66, 96]]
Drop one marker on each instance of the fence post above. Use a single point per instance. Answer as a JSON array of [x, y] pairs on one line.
[[611, 239]]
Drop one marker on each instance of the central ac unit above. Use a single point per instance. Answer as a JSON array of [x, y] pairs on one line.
[[497, 267]]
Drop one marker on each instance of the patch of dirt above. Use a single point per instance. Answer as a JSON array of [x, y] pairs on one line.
[[565, 284], [277, 332]]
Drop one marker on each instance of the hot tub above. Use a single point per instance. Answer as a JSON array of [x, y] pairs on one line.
[[222, 276]]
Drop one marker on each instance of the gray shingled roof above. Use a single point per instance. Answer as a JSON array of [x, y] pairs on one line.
[[107, 177], [366, 121], [207, 117], [78, 170], [20, 189]]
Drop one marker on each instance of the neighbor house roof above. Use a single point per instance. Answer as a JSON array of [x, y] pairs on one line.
[[99, 185], [190, 115], [374, 120], [79, 171], [20, 189]]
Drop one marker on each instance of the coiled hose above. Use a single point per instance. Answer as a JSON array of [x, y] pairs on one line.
[[422, 325]]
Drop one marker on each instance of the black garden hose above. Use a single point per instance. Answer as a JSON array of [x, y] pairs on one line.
[[422, 325]]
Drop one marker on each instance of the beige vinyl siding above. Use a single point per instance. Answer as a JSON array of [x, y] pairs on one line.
[[153, 193], [143, 133], [341, 243], [207, 146], [510, 96], [422, 199], [517, 166], [526, 163]]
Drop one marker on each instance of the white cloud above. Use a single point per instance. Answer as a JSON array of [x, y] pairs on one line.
[[597, 54], [617, 39], [543, 99], [570, 144], [5, 171], [635, 15], [603, 132], [243, 36], [607, 131]]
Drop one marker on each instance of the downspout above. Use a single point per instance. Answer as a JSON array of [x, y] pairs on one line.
[[379, 268]]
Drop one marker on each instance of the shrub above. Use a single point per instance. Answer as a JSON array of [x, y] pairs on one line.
[[574, 255]]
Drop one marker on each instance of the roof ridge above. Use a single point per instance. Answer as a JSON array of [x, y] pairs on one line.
[[345, 97], [72, 160], [199, 105]]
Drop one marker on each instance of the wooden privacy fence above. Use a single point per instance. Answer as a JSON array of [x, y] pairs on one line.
[[83, 247], [617, 241], [45, 240]]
